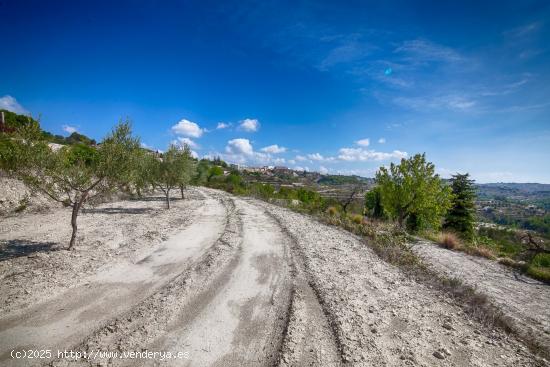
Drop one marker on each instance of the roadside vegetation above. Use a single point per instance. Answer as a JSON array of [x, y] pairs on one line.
[[78, 173], [407, 199]]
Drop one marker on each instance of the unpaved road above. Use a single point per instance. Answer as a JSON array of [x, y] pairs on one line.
[[236, 283], [525, 300]]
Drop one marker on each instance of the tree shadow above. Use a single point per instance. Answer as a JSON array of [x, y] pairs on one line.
[[156, 198], [12, 249], [117, 210]]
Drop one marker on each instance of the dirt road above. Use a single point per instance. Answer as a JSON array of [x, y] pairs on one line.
[[238, 283]]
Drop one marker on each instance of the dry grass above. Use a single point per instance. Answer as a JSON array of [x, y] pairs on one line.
[[449, 241], [482, 251]]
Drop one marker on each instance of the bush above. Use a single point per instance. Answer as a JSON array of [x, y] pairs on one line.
[[485, 252], [539, 273], [357, 218], [449, 240], [332, 211]]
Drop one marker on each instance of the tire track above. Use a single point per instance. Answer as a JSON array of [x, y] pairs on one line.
[[61, 322], [310, 338], [152, 318], [240, 322]]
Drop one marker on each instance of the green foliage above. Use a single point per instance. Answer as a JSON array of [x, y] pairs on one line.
[[461, 216], [214, 171], [504, 242], [73, 174], [263, 191], [335, 180], [412, 193], [373, 203], [15, 121], [174, 169]]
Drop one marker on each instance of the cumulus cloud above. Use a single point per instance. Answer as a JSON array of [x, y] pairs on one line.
[[9, 103], [273, 149], [182, 141], [188, 128], [361, 155], [301, 158], [239, 147], [323, 170], [241, 151], [381, 140], [315, 157], [363, 142], [222, 125], [69, 129], [250, 125]]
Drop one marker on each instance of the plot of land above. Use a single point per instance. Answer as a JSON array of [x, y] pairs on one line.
[[227, 281]]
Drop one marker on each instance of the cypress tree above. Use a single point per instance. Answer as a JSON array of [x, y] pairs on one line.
[[461, 216]]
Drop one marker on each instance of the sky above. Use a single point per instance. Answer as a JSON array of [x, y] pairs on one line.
[[329, 86]]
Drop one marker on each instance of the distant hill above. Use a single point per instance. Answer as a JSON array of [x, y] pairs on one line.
[[13, 121], [514, 191], [334, 180]]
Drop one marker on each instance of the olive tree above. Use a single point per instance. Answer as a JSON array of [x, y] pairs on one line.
[[73, 174], [412, 193], [173, 170]]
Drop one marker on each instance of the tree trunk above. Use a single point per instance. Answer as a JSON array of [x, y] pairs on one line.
[[181, 189], [168, 199], [138, 191], [76, 210], [401, 218]]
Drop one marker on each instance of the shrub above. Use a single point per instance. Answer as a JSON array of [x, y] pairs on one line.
[[539, 273], [332, 211], [449, 240], [357, 218], [485, 252]]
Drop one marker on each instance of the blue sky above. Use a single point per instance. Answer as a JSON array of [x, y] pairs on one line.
[[334, 87]]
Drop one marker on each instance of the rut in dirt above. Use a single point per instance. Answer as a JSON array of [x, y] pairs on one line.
[[62, 321]]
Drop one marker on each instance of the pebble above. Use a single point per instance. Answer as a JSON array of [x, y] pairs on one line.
[[437, 354]]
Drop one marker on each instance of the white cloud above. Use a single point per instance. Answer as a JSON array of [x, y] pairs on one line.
[[273, 149], [9, 103], [360, 154], [187, 128], [291, 161], [381, 140], [69, 129], [241, 151], [363, 142], [250, 125], [300, 168], [323, 170], [194, 154], [187, 141], [239, 147], [222, 125], [316, 157], [301, 158]]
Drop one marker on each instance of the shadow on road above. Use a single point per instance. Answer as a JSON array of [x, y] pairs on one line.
[[16, 248], [117, 210]]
